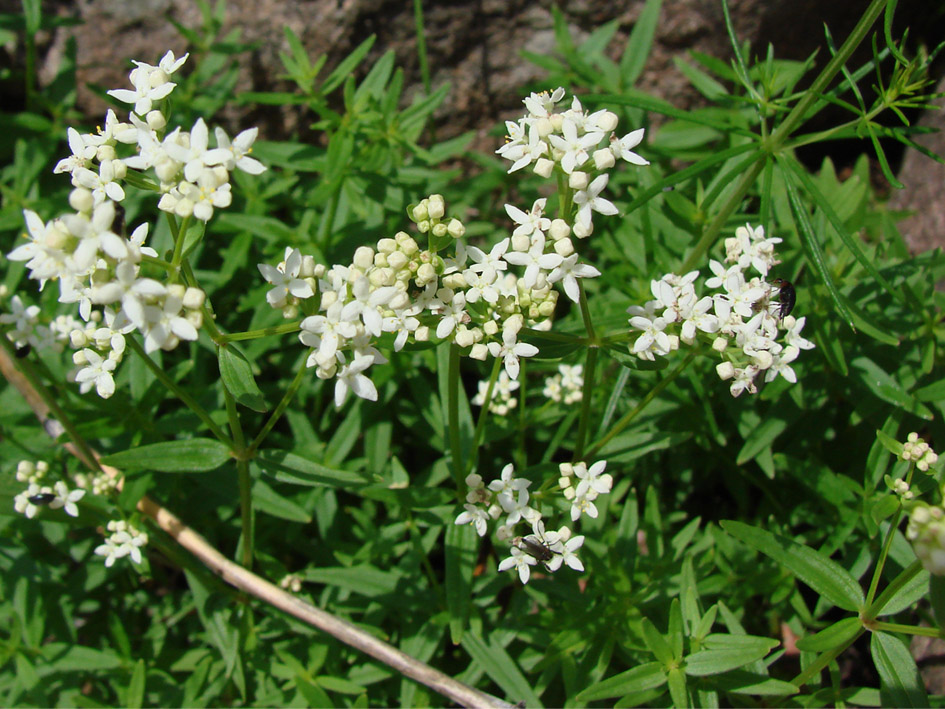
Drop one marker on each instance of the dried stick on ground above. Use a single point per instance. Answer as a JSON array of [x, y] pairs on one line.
[[250, 583]]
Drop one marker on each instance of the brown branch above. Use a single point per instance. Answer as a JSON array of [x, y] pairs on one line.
[[254, 585]]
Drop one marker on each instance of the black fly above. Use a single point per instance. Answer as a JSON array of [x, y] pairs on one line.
[[42, 499], [537, 547], [786, 297]]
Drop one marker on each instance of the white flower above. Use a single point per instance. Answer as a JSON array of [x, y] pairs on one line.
[[529, 222], [590, 200], [95, 236], [566, 554], [534, 260], [150, 82], [101, 183], [351, 377], [235, 154], [507, 486], [133, 292], [573, 147], [519, 560], [66, 499], [454, 313], [367, 304], [475, 516], [82, 153], [97, 373], [510, 350], [622, 148], [568, 271], [593, 478], [24, 320], [164, 326], [285, 278], [190, 149], [525, 154]]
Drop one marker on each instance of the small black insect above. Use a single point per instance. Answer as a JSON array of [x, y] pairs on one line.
[[786, 297], [42, 499], [539, 549], [21, 352]]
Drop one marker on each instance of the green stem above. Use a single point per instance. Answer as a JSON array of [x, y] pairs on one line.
[[244, 479], [644, 402], [817, 88], [887, 543], [452, 396], [421, 45], [190, 402], [910, 629], [28, 371], [484, 413], [279, 410], [586, 314], [587, 394], [521, 452], [209, 322], [262, 332], [178, 231], [814, 668], [904, 577]]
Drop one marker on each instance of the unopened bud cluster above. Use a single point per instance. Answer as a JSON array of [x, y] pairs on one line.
[[124, 540], [917, 451]]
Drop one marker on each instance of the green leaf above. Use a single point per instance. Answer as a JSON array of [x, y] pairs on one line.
[[937, 598], [840, 634], [677, 687], [657, 643], [888, 389], [367, 581], [727, 652], [194, 455], [291, 468], [237, 377], [642, 677], [500, 668], [134, 695], [815, 251], [637, 50], [900, 684], [906, 596], [825, 576], [267, 500], [743, 682], [761, 438], [67, 657], [461, 552], [889, 443]]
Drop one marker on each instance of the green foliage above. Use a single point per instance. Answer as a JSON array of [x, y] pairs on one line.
[[732, 525]]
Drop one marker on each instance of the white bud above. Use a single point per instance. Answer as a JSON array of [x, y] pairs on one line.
[[544, 127], [194, 298], [155, 120], [607, 121], [763, 359], [79, 359], [421, 334], [80, 199], [106, 152], [436, 206], [464, 337], [363, 257], [582, 231], [578, 180], [397, 260], [479, 351], [725, 370], [490, 327], [439, 229], [720, 344], [544, 167], [426, 274], [521, 242], [564, 247], [559, 229], [456, 229], [604, 159]]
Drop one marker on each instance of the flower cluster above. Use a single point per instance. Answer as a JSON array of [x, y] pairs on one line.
[[88, 253], [38, 494], [926, 531], [503, 395], [918, 451], [743, 321], [465, 295], [124, 540], [567, 385], [508, 498]]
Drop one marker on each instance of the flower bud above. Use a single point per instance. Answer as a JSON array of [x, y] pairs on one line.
[[106, 152], [559, 229], [578, 180], [604, 159], [456, 229], [564, 247], [439, 229], [479, 351], [406, 243], [720, 344], [582, 231], [194, 298], [544, 127], [521, 242], [156, 120], [120, 169], [363, 257], [606, 121], [725, 370], [546, 309], [544, 167], [419, 213], [397, 260], [386, 245], [421, 334], [463, 337], [80, 199]]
